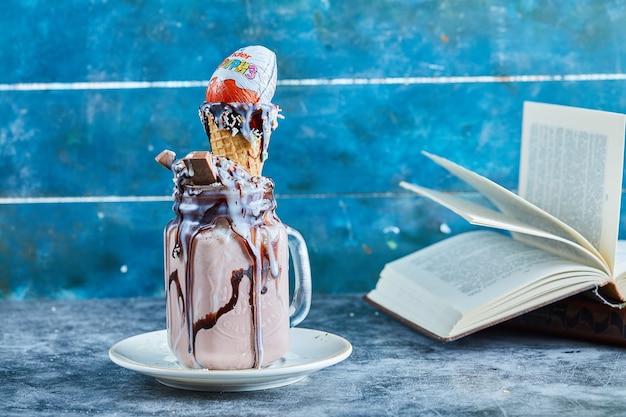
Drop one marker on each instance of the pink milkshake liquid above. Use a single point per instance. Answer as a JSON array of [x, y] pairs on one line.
[[227, 272]]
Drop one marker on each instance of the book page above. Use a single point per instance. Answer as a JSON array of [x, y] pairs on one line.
[[620, 266], [485, 216], [478, 267], [620, 259], [571, 166], [460, 272]]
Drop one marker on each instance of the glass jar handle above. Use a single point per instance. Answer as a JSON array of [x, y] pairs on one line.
[[301, 302]]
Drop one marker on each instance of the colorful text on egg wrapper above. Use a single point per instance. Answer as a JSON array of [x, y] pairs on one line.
[[242, 67], [240, 54]]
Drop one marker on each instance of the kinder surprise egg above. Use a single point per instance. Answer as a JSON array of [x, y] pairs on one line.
[[246, 76]]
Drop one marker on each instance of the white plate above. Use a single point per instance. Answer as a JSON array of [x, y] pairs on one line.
[[310, 351]]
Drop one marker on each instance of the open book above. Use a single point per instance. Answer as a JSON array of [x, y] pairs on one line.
[[557, 238]]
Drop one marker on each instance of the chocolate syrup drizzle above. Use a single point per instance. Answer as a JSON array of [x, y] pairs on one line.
[[210, 320], [248, 205], [255, 121]]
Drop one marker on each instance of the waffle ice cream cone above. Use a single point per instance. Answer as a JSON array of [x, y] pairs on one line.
[[236, 148]]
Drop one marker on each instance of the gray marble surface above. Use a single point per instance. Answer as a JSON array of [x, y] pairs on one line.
[[54, 362]]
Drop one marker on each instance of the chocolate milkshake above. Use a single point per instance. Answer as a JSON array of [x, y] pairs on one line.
[[226, 269]]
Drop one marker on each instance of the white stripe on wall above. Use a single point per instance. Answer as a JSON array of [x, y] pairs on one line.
[[129, 85], [87, 199]]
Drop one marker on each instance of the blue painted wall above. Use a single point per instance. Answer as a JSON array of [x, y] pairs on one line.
[[364, 87]]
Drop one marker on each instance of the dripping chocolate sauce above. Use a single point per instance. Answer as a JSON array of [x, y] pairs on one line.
[[210, 320], [199, 208]]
